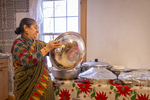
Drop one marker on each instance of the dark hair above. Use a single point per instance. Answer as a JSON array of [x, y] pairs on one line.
[[24, 21]]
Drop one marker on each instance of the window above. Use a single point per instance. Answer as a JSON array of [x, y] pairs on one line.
[[59, 16]]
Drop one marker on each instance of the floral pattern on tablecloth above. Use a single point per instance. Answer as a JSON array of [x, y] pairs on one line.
[[85, 90]]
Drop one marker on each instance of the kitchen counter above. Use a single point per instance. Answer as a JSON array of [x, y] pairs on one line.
[[1, 57], [84, 90]]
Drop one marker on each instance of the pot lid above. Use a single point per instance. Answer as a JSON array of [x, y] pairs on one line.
[[71, 52], [95, 63]]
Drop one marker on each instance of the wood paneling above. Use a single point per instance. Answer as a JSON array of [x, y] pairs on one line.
[[4, 78], [3, 62], [11, 98]]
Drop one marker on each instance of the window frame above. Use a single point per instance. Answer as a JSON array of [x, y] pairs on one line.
[[41, 28], [83, 23]]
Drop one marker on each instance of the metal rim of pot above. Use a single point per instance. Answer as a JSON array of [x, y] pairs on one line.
[[66, 74]]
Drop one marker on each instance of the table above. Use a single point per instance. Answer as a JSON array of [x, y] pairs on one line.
[[84, 90]]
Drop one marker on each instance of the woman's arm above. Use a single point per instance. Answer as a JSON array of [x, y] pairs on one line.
[[23, 55]]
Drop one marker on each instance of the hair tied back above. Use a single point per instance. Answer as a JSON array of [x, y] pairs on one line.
[[17, 31]]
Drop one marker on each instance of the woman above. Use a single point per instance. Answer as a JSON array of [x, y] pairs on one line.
[[31, 79]]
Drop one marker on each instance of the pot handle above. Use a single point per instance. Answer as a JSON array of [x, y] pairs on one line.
[[110, 67], [82, 69], [96, 60]]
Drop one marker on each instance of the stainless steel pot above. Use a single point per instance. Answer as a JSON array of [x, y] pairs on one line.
[[71, 52], [66, 74], [95, 64]]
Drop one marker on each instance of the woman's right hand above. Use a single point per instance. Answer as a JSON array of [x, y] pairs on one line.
[[53, 44]]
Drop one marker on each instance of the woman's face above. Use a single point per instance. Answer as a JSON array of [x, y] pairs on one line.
[[32, 31]]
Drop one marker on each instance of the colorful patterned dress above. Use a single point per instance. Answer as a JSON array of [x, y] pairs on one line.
[[31, 79]]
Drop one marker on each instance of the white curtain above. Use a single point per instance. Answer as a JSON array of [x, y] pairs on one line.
[[35, 10]]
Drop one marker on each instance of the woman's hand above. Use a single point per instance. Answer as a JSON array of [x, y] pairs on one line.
[[50, 46], [53, 44]]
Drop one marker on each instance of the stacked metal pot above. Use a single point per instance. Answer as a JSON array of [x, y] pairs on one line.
[[66, 60]]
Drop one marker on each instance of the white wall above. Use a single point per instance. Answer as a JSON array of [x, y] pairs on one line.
[[118, 32], [20, 16]]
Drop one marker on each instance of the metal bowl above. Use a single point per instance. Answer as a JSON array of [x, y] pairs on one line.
[[71, 52], [66, 74]]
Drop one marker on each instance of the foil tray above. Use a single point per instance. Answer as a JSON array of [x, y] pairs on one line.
[[97, 75], [136, 78]]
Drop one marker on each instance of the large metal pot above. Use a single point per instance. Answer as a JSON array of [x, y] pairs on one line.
[[66, 74], [71, 52], [95, 64]]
